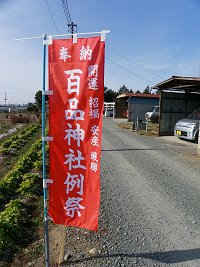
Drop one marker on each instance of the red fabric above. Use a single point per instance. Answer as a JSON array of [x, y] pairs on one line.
[[76, 76]]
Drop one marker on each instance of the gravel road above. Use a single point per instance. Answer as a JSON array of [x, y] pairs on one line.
[[150, 212]]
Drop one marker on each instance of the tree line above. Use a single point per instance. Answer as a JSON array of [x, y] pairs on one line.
[[110, 94]]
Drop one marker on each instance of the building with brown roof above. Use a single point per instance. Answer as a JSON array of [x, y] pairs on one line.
[[134, 106]]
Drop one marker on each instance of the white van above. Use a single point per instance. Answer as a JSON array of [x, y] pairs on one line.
[[153, 115]]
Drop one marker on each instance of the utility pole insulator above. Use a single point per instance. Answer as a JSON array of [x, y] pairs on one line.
[[72, 27], [5, 99]]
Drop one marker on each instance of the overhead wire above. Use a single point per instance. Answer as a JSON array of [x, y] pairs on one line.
[[19, 94], [117, 64], [138, 65], [66, 11], [68, 17], [129, 71], [52, 16]]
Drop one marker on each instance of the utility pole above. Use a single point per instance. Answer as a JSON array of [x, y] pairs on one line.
[[71, 27], [5, 99]]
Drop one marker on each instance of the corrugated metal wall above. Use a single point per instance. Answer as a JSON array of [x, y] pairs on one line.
[[173, 107], [138, 106]]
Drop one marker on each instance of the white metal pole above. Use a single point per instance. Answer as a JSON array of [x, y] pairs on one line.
[[146, 125]]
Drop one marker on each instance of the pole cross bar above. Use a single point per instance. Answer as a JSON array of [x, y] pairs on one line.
[[103, 32]]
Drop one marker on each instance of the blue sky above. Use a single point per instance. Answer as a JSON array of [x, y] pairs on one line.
[[153, 39]]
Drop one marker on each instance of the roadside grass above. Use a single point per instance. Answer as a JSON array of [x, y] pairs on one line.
[[125, 125], [152, 128]]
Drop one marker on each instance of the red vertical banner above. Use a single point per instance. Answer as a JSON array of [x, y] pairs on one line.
[[76, 77]]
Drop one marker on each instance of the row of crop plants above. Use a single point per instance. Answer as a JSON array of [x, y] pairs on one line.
[[4, 128], [20, 195], [15, 142], [16, 145]]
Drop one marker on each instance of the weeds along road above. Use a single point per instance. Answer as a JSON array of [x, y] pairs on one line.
[[150, 203]]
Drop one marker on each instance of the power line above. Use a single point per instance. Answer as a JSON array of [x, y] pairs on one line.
[[129, 71], [124, 67], [72, 28], [52, 17], [66, 11], [134, 63], [18, 94], [130, 62]]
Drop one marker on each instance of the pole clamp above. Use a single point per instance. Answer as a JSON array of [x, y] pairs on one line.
[[48, 218], [48, 40], [47, 138], [47, 92], [46, 182], [103, 35], [75, 38]]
